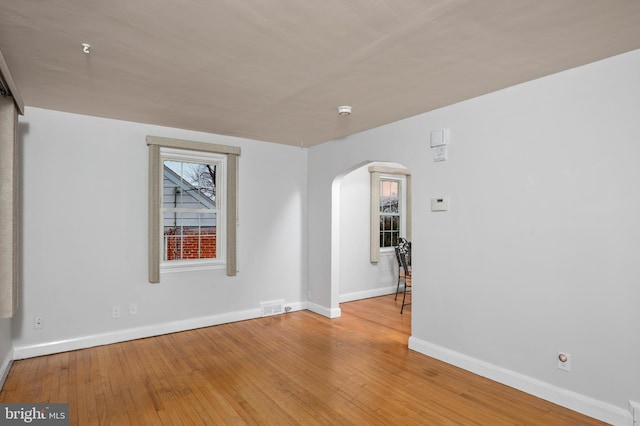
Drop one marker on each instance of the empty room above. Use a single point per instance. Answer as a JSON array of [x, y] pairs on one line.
[[253, 212]]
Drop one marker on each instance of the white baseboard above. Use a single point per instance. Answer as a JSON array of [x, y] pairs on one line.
[[324, 311], [48, 348], [574, 401], [359, 295], [5, 367]]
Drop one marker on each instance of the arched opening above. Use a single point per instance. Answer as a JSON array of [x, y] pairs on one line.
[[354, 275]]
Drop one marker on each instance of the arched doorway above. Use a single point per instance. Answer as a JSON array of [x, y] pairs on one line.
[[354, 275]]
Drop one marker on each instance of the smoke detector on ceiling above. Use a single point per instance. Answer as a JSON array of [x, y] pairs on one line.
[[344, 110]]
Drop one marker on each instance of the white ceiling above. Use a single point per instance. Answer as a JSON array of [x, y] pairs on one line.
[[276, 70]]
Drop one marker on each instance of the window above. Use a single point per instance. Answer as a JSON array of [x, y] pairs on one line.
[[390, 211], [192, 194], [192, 206], [390, 208]]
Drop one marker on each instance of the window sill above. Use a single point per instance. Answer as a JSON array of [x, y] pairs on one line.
[[190, 266]]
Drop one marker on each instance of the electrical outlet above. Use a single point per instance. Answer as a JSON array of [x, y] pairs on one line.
[[133, 308], [564, 361], [115, 312], [38, 323]]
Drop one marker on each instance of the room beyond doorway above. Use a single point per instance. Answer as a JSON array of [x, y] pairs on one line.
[[355, 275]]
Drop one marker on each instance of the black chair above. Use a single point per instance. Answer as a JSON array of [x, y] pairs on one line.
[[400, 272], [403, 256], [403, 246], [404, 260]]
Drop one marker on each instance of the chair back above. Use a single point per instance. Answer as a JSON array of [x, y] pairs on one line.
[[404, 262], [404, 248], [397, 250]]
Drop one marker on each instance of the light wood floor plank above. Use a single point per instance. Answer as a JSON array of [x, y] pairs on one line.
[[297, 368]]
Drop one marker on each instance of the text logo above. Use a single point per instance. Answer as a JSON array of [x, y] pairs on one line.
[[34, 414]]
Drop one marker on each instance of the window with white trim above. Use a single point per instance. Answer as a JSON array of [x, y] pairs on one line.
[[191, 215], [193, 206], [392, 210]]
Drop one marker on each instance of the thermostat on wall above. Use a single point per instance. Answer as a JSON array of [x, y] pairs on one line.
[[440, 153], [440, 204]]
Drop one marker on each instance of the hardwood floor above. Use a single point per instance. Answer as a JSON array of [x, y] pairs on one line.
[[297, 368]]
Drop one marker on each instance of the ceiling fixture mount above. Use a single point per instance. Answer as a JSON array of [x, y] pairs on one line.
[[86, 47], [344, 110]]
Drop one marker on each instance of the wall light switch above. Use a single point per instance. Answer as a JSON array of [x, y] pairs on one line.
[[440, 204]]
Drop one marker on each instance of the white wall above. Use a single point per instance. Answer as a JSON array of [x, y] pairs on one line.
[[85, 235], [540, 249]]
